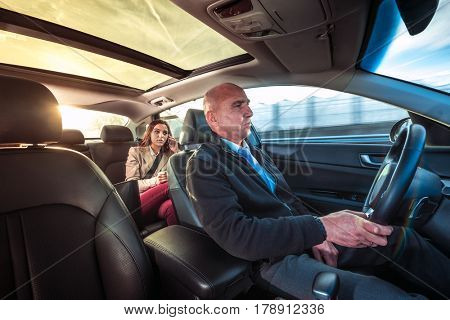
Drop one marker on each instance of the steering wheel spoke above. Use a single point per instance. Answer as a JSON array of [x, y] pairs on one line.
[[368, 212]]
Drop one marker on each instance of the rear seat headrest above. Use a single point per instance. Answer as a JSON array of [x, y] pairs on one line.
[[71, 136], [195, 129], [113, 133], [28, 112]]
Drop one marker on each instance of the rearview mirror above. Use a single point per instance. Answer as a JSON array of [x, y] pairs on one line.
[[417, 14]]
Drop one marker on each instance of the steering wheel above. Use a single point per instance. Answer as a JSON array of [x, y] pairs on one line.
[[395, 175]]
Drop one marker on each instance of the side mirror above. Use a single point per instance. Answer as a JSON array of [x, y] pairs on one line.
[[397, 127]]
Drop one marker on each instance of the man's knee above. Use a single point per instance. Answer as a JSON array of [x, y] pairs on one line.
[[373, 288], [405, 242]]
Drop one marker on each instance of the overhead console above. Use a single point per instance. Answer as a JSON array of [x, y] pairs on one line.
[[305, 35], [262, 19]]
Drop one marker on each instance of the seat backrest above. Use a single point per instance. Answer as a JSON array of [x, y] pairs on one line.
[[176, 170], [194, 132], [111, 154], [64, 231], [73, 139]]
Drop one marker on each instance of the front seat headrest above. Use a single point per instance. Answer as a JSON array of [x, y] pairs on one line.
[[71, 136], [28, 112], [113, 133], [195, 129]]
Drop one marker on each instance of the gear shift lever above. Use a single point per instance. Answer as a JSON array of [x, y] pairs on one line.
[[326, 286]]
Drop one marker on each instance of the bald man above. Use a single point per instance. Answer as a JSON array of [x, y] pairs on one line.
[[246, 206]]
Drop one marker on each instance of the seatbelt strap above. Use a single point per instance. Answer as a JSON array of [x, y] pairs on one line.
[[155, 164]]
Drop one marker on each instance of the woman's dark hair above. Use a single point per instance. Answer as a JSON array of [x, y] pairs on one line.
[[147, 139]]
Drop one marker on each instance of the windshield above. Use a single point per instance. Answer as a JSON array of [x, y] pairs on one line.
[[422, 59]]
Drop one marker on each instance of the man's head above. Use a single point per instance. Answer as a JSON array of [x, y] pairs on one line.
[[227, 112]]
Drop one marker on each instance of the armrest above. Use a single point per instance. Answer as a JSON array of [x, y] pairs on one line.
[[192, 266]]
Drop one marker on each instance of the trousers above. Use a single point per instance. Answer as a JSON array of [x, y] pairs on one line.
[[155, 202], [407, 255]]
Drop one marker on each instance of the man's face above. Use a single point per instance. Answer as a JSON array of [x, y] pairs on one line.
[[233, 114]]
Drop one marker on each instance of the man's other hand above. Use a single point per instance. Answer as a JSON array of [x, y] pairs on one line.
[[326, 252], [349, 229]]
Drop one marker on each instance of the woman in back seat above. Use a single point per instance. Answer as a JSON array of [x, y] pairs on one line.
[[147, 163]]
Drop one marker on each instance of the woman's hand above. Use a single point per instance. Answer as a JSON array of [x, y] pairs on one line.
[[173, 144], [161, 177]]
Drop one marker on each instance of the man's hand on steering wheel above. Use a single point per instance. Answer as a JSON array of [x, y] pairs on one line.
[[348, 228]]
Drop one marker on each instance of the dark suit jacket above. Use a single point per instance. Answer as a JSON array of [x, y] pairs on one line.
[[238, 210]]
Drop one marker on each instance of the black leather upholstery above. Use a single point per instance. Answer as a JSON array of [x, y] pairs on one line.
[[73, 139], [129, 193], [197, 269], [176, 171], [30, 119], [195, 129], [64, 231], [111, 154], [194, 132]]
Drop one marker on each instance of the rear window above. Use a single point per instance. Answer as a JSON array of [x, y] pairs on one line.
[[89, 122], [175, 116]]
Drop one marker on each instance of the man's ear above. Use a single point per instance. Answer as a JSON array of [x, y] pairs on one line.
[[211, 118]]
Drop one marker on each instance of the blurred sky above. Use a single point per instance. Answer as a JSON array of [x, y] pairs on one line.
[[423, 58]]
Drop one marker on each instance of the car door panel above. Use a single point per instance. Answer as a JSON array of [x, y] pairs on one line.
[[436, 159], [328, 176]]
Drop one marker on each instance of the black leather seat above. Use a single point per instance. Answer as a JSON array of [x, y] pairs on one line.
[[194, 132], [73, 139], [64, 231], [190, 263], [111, 154]]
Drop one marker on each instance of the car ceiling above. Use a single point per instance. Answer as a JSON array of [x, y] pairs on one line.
[[323, 54]]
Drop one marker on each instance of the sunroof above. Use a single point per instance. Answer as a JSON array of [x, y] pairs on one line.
[[36, 53], [157, 28]]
